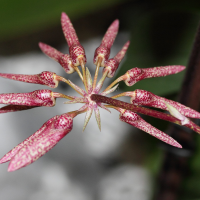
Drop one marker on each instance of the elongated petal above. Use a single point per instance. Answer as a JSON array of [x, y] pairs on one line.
[[68, 30], [97, 116], [88, 115], [50, 51], [42, 143], [45, 78], [136, 121], [14, 108], [110, 34], [35, 98], [120, 55], [142, 97], [134, 75], [76, 50], [112, 64], [13, 152], [103, 51], [64, 59]]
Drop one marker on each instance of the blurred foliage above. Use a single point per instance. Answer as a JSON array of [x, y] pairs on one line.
[[23, 16], [156, 41]]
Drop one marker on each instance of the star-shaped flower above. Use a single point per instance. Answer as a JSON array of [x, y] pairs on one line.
[[92, 97]]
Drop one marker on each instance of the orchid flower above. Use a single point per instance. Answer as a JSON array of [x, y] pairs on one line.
[[92, 97]]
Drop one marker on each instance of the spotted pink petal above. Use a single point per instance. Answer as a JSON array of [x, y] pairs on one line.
[[50, 51], [103, 51], [13, 152], [145, 98], [45, 78], [134, 75], [136, 121], [35, 98], [14, 108], [64, 59], [42, 143], [76, 50], [113, 63]]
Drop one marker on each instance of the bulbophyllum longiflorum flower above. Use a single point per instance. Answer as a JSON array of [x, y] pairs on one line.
[[57, 127]]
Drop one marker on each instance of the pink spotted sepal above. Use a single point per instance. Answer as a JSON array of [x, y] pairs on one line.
[[40, 142], [35, 98], [112, 64], [134, 75], [145, 98], [103, 51], [64, 59], [45, 78], [76, 51], [136, 121]]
